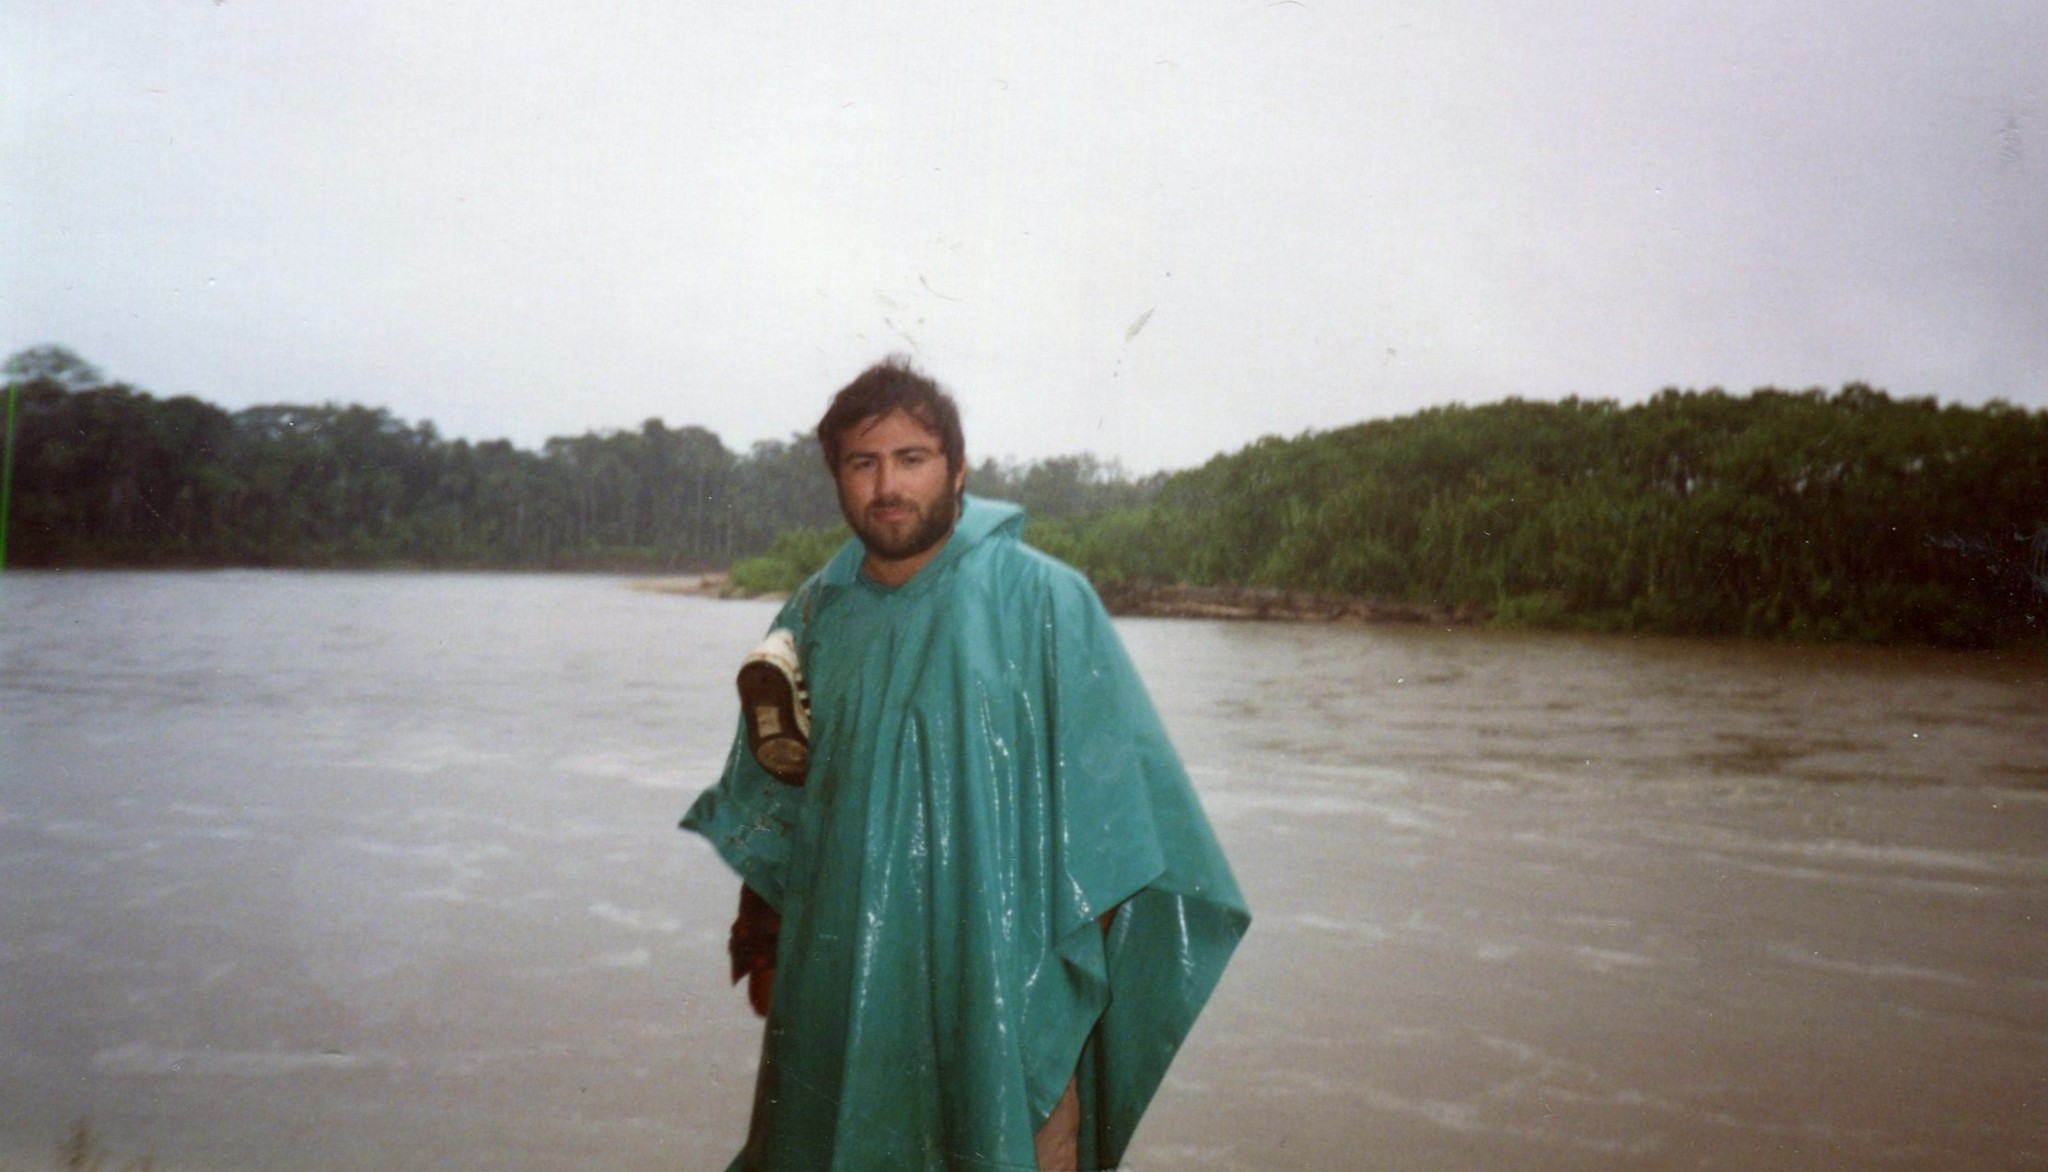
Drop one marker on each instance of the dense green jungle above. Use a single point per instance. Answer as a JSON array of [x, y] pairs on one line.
[[106, 475], [1845, 515]]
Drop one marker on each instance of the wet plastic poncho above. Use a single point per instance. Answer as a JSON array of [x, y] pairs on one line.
[[988, 780]]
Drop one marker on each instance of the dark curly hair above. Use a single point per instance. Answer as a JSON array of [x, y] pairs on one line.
[[893, 384]]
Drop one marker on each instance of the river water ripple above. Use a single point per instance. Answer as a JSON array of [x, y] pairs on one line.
[[361, 871]]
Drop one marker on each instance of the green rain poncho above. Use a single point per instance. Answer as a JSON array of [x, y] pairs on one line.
[[988, 779]]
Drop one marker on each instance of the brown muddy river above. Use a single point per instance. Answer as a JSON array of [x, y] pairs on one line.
[[360, 872]]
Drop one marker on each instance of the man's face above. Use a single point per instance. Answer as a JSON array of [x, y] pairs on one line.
[[897, 493]]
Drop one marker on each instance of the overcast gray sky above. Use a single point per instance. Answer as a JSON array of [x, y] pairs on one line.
[[1152, 230]]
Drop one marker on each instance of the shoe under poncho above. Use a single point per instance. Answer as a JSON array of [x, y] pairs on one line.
[[988, 782]]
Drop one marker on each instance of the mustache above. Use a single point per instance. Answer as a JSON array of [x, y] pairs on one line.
[[894, 502]]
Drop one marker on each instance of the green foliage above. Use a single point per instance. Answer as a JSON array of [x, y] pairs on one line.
[[1532, 610], [1143, 543], [796, 554], [108, 475], [1061, 486], [1779, 514]]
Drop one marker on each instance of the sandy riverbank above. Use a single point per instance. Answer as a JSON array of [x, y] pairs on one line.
[[711, 585]]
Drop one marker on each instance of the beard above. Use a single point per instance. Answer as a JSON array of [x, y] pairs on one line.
[[933, 522]]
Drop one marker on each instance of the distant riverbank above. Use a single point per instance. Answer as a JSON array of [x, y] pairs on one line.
[[1245, 602], [1132, 600], [707, 585]]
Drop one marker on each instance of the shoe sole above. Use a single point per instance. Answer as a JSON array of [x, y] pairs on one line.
[[773, 707]]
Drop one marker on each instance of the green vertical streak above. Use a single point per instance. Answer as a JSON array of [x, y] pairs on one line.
[[7, 472]]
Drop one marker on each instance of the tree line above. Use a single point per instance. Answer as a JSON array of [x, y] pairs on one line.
[[1807, 515], [1848, 515], [104, 474], [1844, 516]]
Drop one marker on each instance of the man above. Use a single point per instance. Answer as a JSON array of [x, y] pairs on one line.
[[1001, 907]]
